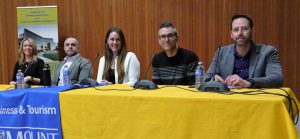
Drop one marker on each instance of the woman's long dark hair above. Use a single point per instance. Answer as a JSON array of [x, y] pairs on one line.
[[109, 55]]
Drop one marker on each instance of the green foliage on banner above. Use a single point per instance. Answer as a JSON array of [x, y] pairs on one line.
[[52, 56]]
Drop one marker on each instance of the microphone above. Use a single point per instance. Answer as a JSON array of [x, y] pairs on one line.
[[96, 57], [212, 77], [213, 86], [146, 73], [89, 81], [146, 84]]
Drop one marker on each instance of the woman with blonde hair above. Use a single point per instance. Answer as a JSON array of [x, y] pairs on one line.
[[118, 66], [30, 65]]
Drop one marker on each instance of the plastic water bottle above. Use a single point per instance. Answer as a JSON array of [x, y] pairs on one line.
[[20, 80], [199, 75], [66, 76]]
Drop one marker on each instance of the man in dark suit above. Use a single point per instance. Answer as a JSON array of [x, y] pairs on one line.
[[79, 67], [245, 63]]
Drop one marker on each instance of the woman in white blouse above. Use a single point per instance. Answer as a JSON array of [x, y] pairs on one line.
[[118, 66]]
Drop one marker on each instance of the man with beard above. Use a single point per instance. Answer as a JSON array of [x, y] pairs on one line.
[[79, 67], [245, 63]]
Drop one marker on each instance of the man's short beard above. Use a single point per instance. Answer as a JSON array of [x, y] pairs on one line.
[[247, 41]]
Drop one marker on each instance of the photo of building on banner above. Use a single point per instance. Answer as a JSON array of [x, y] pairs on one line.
[[40, 24]]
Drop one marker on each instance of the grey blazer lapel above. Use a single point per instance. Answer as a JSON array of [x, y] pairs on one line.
[[74, 64], [253, 60], [229, 61], [57, 72]]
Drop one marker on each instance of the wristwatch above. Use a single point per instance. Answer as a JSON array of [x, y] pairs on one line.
[[31, 78]]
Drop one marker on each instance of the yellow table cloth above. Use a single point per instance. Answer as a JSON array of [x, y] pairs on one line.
[[4, 87], [173, 113]]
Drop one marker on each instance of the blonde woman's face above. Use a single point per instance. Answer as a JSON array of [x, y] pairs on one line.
[[27, 48]]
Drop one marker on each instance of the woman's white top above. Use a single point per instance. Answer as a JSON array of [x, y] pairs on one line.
[[131, 69]]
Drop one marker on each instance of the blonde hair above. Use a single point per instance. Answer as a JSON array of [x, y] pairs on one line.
[[21, 52]]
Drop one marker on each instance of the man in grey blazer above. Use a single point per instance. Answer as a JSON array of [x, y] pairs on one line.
[[245, 63], [79, 67]]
